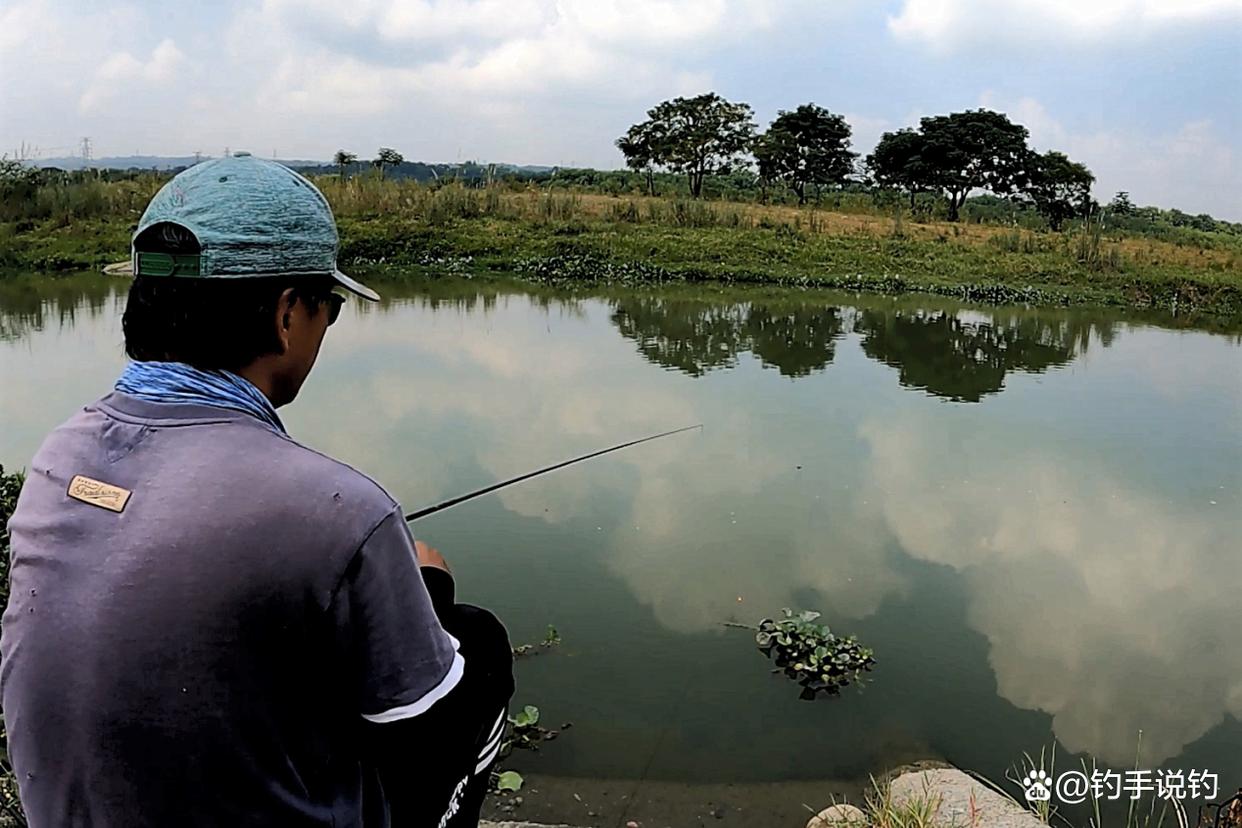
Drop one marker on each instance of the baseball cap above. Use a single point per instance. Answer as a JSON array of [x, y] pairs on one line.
[[250, 217]]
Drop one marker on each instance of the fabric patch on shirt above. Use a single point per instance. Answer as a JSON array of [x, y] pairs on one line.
[[98, 493]]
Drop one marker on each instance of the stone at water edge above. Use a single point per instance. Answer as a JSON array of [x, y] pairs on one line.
[[962, 800], [835, 816]]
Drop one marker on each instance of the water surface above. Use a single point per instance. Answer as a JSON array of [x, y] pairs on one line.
[[1033, 517]]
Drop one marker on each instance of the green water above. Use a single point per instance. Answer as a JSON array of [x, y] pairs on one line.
[[1033, 517]]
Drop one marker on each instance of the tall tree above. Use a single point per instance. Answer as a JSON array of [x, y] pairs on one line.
[[641, 146], [699, 136], [343, 159], [1059, 188], [976, 149], [809, 145], [898, 161], [1121, 204], [387, 157]]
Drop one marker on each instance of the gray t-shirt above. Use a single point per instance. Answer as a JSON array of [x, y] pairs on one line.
[[208, 654]]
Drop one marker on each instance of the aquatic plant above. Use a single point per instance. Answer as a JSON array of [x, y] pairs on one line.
[[811, 654], [551, 638], [509, 781], [523, 732]]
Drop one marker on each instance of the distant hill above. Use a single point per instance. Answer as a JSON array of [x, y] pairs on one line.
[[418, 170], [423, 171], [142, 162]]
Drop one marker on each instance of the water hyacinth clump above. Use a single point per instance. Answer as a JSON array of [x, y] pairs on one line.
[[811, 655]]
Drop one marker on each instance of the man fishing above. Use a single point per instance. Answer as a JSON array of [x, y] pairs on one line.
[[210, 623]]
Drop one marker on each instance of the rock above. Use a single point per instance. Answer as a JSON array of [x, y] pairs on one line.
[[836, 816], [961, 800]]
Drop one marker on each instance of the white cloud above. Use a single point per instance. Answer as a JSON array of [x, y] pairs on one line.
[[1192, 166], [865, 131], [538, 81], [948, 24], [524, 81], [122, 73], [535, 48], [413, 22], [1085, 586]]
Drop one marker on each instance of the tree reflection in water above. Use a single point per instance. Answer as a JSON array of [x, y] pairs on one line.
[[960, 355], [695, 337], [950, 355]]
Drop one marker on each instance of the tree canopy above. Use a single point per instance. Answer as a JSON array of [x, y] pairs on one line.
[[387, 157], [898, 160], [979, 149], [1058, 187], [343, 159], [699, 136], [976, 149], [641, 147], [809, 145]]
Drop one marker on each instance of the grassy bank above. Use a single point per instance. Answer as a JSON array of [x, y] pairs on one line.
[[565, 237]]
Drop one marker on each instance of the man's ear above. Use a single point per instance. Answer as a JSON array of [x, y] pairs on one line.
[[284, 317]]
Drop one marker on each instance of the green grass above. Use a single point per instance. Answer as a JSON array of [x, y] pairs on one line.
[[562, 237], [602, 251]]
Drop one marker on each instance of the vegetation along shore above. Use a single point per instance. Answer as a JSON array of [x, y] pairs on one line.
[[690, 208]]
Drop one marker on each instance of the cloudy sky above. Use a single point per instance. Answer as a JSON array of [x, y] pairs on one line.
[[1145, 92]]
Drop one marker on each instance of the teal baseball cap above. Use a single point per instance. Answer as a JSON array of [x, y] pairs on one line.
[[250, 217]]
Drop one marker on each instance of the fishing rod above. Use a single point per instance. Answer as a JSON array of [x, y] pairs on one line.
[[454, 501]]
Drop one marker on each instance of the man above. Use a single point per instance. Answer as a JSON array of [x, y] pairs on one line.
[[211, 624]]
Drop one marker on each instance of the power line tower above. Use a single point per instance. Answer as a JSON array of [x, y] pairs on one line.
[[86, 151], [198, 156]]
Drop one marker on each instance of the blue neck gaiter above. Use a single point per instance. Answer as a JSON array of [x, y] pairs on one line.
[[176, 382]]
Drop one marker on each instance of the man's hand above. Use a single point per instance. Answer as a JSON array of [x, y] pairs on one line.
[[429, 556]]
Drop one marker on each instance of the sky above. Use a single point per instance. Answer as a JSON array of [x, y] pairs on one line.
[[1146, 93]]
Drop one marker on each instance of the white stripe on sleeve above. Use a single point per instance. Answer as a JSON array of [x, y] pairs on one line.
[[423, 704]]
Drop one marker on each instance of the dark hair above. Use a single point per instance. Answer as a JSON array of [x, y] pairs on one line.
[[210, 323]]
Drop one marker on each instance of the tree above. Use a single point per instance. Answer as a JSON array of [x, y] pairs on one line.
[[809, 145], [1058, 187], [387, 157], [697, 136], [898, 161], [640, 146], [1121, 204], [976, 149], [343, 159]]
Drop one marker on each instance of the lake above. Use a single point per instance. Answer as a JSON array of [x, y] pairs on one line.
[[1033, 517]]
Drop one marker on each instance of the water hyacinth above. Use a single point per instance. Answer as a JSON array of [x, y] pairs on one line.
[[810, 654]]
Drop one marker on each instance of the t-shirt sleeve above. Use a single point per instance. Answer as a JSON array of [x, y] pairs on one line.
[[398, 659]]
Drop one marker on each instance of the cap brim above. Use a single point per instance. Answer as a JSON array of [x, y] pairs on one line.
[[354, 286]]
